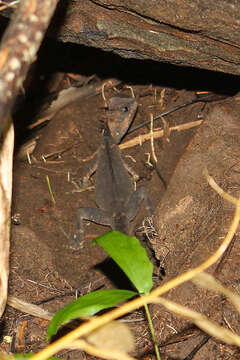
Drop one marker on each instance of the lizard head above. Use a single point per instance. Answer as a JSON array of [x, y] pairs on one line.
[[121, 112]]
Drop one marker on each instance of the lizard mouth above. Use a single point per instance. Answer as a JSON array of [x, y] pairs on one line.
[[121, 112]]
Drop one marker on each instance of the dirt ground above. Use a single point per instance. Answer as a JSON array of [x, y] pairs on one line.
[[44, 268]]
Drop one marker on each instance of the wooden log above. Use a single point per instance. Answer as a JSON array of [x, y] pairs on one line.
[[203, 34], [18, 49]]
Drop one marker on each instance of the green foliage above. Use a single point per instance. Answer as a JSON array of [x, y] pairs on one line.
[[87, 305], [131, 257]]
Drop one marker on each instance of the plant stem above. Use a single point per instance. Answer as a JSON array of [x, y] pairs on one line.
[[152, 332]]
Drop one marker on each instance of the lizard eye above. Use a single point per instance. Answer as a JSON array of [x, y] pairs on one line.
[[124, 109]]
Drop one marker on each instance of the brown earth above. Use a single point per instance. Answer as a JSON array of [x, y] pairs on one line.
[[43, 264]]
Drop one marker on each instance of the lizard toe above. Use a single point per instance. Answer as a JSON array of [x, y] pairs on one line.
[[77, 240]]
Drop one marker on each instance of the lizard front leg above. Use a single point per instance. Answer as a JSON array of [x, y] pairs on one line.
[[95, 215], [91, 170], [131, 171], [85, 183]]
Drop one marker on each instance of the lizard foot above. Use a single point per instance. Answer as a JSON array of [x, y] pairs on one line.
[[77, 240], [86, 182], [82, 185]]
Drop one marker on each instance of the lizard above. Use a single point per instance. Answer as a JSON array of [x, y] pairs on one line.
[[117, 201]]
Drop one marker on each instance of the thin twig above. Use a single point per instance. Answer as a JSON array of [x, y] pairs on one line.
[[140, 139], [152, 139]]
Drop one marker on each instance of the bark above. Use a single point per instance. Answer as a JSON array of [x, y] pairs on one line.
[[19, 46], [18, 49], [204, 34], [6, 160]]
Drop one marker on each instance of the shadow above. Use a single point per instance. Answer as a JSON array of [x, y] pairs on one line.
[[112, 272]]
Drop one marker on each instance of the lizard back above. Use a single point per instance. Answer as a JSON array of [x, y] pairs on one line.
[[113, 183]]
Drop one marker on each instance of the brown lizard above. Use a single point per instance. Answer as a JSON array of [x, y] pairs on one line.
[[117, 201]]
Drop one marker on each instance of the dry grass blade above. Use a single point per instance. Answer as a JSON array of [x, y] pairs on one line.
[[29, 308], [201, 321], [219, 190], [105, 337], [207, 281], [206, 264], [139, 140], [152, 139], [100, 352], [4, 5], [50, 190]]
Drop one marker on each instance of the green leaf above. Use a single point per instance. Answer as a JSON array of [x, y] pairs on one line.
[[131, 257], [87, 305]]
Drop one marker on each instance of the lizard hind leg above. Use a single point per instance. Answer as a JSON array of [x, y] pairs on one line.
[[133, 205], [135, 201], [95, 215]]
